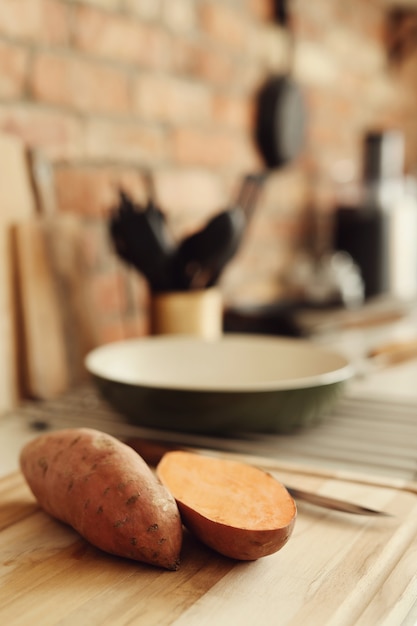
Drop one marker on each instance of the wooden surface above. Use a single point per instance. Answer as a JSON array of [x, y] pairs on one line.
[[16, 202], [65, 240], [46, 374], [336, 569], [57, 317]]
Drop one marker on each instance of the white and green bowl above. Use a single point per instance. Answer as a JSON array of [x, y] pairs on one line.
[[238, 383]]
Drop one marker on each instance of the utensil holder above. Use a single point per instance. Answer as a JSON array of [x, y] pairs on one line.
[[195, 312]]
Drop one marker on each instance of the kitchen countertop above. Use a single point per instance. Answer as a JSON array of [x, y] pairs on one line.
[[362, 574]]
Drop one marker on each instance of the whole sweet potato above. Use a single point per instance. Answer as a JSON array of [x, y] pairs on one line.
[[106, 492]]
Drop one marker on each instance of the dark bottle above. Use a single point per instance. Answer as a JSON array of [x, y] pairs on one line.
[[366, 228]]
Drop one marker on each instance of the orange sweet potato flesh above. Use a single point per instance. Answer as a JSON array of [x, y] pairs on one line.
[[106, 492], [235, 508]]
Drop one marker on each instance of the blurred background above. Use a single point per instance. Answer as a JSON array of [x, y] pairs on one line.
[[103, 93]]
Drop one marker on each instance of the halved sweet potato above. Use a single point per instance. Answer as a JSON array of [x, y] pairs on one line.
[[235, 508]]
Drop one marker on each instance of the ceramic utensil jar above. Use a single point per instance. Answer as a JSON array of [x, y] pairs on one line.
[[194, 312]]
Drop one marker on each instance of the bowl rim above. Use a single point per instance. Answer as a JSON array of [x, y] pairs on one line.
[[338, 374]]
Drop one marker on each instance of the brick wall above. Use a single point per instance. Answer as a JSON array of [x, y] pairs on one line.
[[109, 88]]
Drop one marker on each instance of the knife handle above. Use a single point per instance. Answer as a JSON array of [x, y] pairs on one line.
[[394, 352]]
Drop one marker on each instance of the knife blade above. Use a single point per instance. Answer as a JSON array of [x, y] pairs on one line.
[[153, 450], [333, 503]]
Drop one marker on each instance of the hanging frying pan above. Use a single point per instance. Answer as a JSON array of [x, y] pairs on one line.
[[280, 120]]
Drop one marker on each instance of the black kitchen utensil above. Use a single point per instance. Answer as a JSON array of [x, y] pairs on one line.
[[157, 219], [280, 118], [140, 240], [201, 257], [280, 121]]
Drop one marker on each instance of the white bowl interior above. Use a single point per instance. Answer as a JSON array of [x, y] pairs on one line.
[[233, 363]]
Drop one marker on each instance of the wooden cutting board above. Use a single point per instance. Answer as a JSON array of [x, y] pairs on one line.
[[16, 202], [60, 261], [45, 362], [337, 569], [56, 312], [65, 237]]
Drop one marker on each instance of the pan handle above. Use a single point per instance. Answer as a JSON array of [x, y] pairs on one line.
[[249, 192]]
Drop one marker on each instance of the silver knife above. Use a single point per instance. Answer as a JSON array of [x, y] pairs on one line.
[[333, 503]]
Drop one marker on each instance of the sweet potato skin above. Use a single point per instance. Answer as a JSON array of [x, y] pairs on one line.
[[105, 491], [240, 544]]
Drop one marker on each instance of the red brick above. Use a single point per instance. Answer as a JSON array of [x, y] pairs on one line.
[[13, 67], [59, 135], [115, 320], [184, 54], [126, 142], [110, 5], [108, 331], [262, 9], [188, 191], [147, 10], [79, 84], [211, 65], [192, 146], [369, 22], [45, 21], [166, 99], [138, 325], [233, 111], [21, 18], [105, 34], [120, 38], [226, 25], [89, 244], [55, 23], [180, 16], [94, 190], [109, 294], [216, 149], [156, 48]]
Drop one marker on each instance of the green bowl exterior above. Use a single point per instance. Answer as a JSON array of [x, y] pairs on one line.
[[211, 412]]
